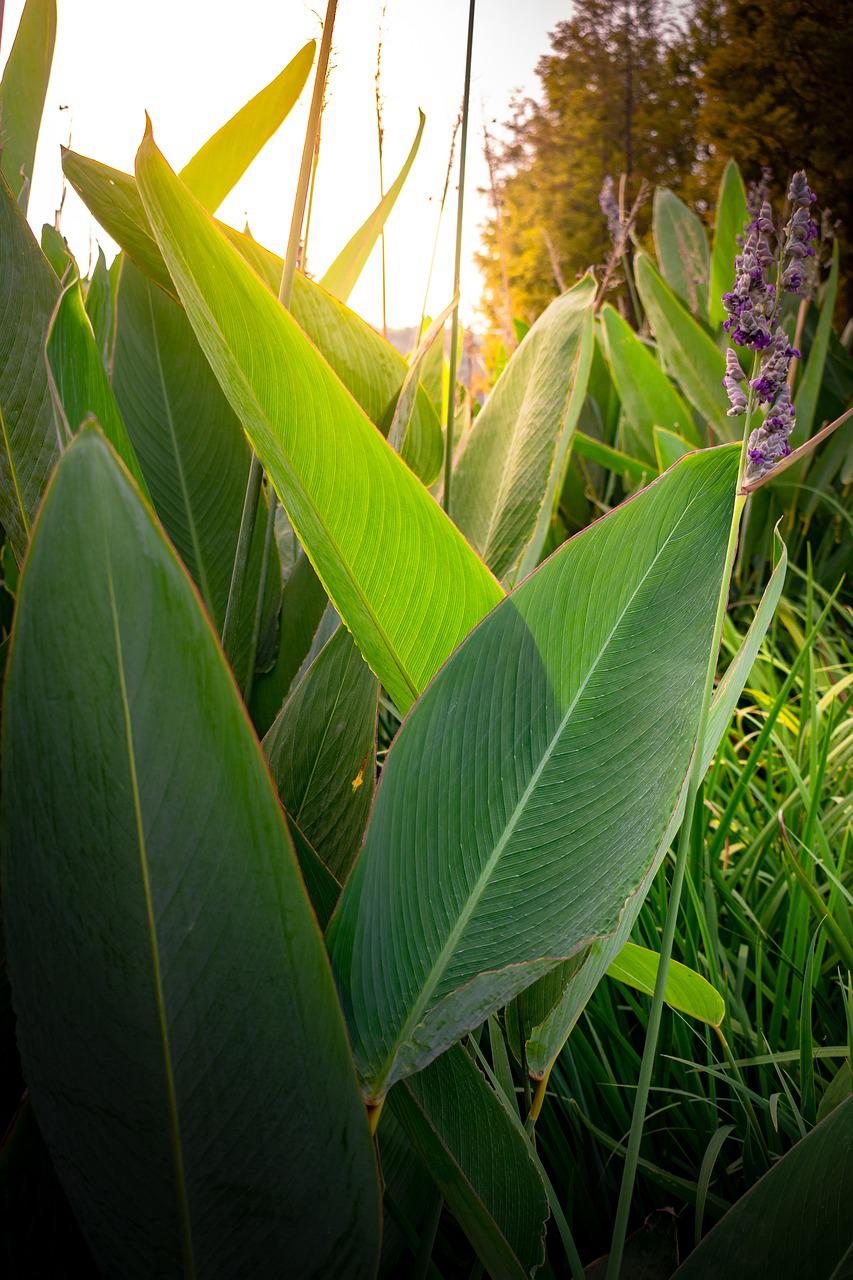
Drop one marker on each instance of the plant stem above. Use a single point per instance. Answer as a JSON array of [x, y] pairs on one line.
[[454, 328], [253, 483], [632, 1154]]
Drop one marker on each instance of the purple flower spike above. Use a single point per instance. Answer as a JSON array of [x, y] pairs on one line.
[[734, 376]]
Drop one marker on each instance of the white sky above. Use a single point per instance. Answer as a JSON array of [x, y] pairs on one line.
[[192, 63]]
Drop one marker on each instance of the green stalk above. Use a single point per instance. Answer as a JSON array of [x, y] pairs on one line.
[[253, 484], [629, 1173], [457, 268]]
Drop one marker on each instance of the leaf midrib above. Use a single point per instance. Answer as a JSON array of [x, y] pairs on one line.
[[171, 1093], [436, 972]]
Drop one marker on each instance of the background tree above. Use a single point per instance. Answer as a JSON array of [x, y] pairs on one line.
[[619, 95], [777, 90]]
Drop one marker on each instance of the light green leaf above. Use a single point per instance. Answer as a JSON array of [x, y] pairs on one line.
[[22, 94], [30, 443], [190, 446], [225, 157], [551, 1007], [82, 386], [322, 751], [513, 464], [809, 389], [538, 779], [479, 1161], [685, 990], [99, 308], [795, 1221], [729, 224], [367, 365], [687, 351], [162, 952], [341, 277], [400, 575], [648, 397], [669, 447], [682, 250]]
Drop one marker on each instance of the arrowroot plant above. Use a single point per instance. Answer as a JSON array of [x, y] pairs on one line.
[[332, 818]]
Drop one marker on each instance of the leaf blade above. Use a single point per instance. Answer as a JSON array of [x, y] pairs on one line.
[[120, 881], [293, 406]]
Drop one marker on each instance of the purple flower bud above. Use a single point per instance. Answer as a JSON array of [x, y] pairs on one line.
[[734, 376], [799, 192]]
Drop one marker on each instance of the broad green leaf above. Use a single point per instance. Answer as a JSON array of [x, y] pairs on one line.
[[303, 602], [22, 94], [479, 1161], [687, 351], [795, 1221], [99, 308], [551, 1007], [685, 990], [322, 751], [30, 443], [538, 778], [342, 275], [367, 365], [729, 224], [512, 467], [648, 397], [669, 447], [225, 157], [682, 250], [190, 446], [809, 389], [402, 578], [82, 386], [170, 983]]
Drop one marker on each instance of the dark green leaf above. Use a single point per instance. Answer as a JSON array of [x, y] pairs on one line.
[[322, 751], [537, 780], [795, 1222], [30, 442], [191, 448], [479, 1161], [177, 1018]]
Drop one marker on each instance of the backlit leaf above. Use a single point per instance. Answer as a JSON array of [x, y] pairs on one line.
[[225, 157], [400, 575], [341, 277]]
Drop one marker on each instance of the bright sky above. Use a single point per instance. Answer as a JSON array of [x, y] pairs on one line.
[[192, 63]]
